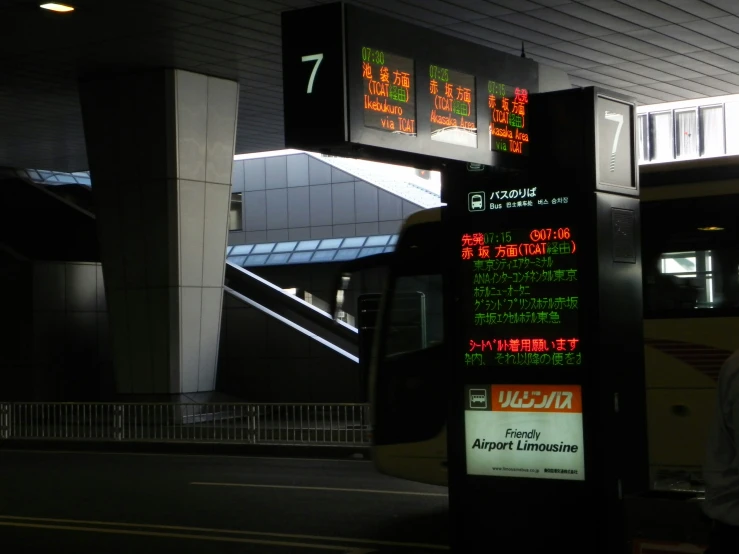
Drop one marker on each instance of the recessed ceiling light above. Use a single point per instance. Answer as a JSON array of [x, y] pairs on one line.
[[57, 7], [710, 228]]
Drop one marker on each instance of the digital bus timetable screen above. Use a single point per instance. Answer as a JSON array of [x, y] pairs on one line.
[[509, 124], [389, 92], [521, 297], [453, 115]]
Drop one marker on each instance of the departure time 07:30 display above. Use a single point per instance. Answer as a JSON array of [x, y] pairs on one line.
[[373, 56]]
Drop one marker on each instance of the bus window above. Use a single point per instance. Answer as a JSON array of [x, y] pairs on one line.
[[690, 257], [414, 320]]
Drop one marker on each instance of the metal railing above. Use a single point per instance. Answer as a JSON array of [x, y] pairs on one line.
[[285, 424]]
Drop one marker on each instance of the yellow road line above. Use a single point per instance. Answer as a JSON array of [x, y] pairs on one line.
[[288, 536], [177, 536], [251, 485]]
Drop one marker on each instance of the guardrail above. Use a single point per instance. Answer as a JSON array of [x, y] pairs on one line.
[[286, 424]]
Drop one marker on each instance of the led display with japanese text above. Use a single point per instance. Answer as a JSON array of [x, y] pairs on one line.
[[509, 130], [389, 92], [522, 297], [453, 115]]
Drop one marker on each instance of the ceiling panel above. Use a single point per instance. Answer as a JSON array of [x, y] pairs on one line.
[[663, 70], [729, 6], [627, 13], [598, 17], [540, 25], [567, 21], [629, 78], [661, 10], [654, 50], [703, 10], [586, 53], [721, 34], [521, 33], [694, 38], [613, 49], [663, 41], [604, 80], [451, 10], [470, 29], [480, 7], [720, 61], [732, 78]]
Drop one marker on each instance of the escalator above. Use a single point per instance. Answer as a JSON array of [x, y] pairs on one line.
[[32, 215], [295, 312]]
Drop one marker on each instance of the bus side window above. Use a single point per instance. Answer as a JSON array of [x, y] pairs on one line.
[[690, 255], [415, 319]]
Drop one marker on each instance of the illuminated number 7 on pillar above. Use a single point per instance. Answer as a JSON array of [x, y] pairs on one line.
[[618, 118], [318, 58]]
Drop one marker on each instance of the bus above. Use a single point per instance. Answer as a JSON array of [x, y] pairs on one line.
[[690, 263]]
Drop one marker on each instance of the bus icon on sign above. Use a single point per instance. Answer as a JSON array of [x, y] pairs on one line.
[[478, 399], [476, 201]]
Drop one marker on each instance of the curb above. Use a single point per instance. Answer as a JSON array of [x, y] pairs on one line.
[[219, 449]]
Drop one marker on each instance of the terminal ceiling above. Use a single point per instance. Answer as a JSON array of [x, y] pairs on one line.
[[653, 50]]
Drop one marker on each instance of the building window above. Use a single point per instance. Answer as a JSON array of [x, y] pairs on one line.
[[643, 130], [712, 130], [660, 136], [686, 133], [235, 214]]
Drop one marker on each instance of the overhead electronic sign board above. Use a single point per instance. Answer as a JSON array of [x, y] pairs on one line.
[[370, 86]]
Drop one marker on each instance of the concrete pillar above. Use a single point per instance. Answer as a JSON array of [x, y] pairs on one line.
[[160, 147]]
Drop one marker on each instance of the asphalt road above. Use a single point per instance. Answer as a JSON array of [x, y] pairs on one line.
[[106, 503]]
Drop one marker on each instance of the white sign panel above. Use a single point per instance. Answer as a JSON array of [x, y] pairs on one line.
[[530, 431]]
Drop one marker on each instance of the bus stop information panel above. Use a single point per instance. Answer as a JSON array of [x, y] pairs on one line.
[[544, 297], [522, 311]]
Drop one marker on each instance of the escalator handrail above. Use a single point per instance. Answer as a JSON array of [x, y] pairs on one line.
[[292, 324]]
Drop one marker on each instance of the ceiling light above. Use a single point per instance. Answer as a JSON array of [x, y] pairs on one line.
[[57, 7], [710, 228]]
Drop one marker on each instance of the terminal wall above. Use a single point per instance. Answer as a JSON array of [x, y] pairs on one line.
[[298, 197], [55, 343]]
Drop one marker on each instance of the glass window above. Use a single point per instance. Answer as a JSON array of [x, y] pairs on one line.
[[285, 246], [323, 256], [660, 136], [690, 256], [278, 258], [347, 254], [712, 130], [301, 257], [308, 245], [415, 318], [259, 259], [686, 133], [237, 260], [330, 243], [642, 127], [731, 122], [353, 242], [235, 213], [380, 240], [263, 248], [241, 250], [371, 251]]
